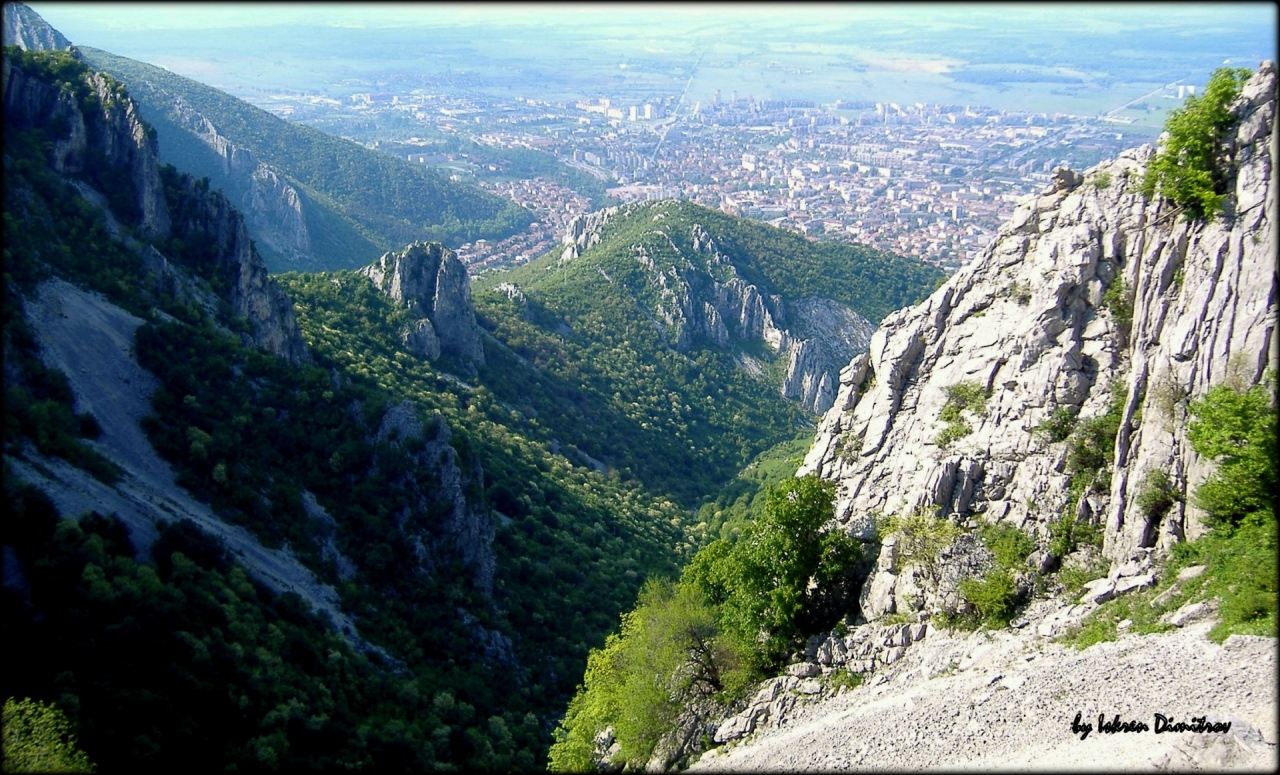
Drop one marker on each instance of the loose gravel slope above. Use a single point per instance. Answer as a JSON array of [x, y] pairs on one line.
[[1007, 700]]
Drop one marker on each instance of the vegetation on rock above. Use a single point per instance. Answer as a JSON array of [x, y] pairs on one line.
[[1187, 169]]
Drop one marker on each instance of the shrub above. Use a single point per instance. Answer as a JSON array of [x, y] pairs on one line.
[[38, 738], [1119, 300], [1058, 426], [845, 678], [1237, 428], [1065, 534], [961, 396], [1102, 180], [1157, 496], [921, 539], [1184, 169], [1091, 447], [993, 597], [1009, 545]]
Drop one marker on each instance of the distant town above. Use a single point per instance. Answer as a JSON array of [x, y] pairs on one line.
[[925, 180]]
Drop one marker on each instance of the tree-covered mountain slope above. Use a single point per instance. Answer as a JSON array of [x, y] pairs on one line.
[[327, 551], [312, 201], [672, 343]]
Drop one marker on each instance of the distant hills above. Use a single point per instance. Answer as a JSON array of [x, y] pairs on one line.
[[661, 339], [312, 201]]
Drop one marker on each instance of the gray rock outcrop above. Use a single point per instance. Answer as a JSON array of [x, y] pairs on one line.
[[1040, 324], [272, 206], [114, 133], [127, 163], [702, 298], [253, 294], [26, 29], [465, 531], [430, 280]]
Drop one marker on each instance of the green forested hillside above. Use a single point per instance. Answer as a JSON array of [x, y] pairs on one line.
[[158, 659], [367, 198], [582, 349]]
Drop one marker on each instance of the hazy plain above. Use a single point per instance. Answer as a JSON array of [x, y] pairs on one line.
[[1082, 59]]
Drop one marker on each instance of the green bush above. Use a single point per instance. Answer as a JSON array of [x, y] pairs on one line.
[[1009, 545], [921, 539], [1058, 425], [1185, 168], [38, 738], [1119, 300], [1065, 534], [1091, 447], [736, 612], [1157, 496], [670, 651], [1236, 428], [961, 397], [993, 597], [846, 678]]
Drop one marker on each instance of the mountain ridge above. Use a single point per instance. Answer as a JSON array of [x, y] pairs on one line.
[[306, 192]]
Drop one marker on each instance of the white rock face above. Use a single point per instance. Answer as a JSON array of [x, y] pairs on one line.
[[429, 278], [1027, 322], [703, 299], [272, 207]]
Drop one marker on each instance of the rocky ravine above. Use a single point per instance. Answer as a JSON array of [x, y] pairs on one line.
[[702, 298], [1027, 322]]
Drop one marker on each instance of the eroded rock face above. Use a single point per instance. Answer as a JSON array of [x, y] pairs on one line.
[[272, 206], [253, 294], [124, 150], [25, 29], [114, 133], [702, 299], [465, 532], [429, 279], [1030, 321]]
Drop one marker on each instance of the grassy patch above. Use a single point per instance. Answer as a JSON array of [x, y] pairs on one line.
[[846, 678], [961, 397]]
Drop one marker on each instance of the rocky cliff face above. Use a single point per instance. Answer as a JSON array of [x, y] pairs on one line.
[[106, 149], [464, 532], [429, 279], [110, 136], [1038, 325], [701, 298], [25, 29], [253, 294], [272, 206]]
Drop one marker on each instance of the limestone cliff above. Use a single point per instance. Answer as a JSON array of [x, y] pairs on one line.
[[103, 134], [253, 294], [699, 296], [430, 280], [272, 205], [1090, 286], [464, 532], [25, 29], [103, 147]]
